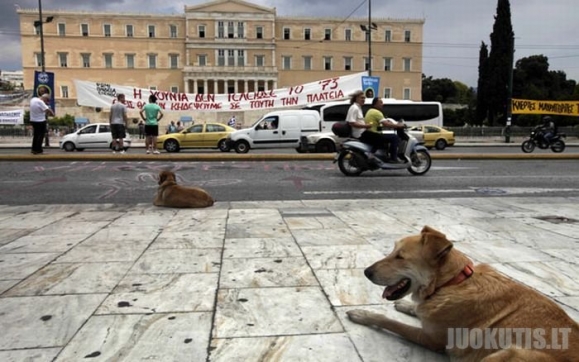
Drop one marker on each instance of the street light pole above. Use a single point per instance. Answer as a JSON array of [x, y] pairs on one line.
[[510, 94], [369, 37], [40, 21]]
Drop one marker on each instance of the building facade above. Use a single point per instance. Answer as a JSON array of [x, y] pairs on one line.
[[222, 46]]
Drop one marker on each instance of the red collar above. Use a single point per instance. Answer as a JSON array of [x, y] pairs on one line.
[[464, 274]]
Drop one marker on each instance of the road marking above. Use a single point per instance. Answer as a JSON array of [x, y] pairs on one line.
[[478, 190]]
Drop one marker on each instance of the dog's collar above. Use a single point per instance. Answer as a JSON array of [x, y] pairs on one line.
[[464, 274]]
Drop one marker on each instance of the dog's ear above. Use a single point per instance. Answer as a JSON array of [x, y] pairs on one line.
[[435, 245], [162, 177]]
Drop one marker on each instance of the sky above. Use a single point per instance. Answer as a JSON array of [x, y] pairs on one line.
[[453, 31]]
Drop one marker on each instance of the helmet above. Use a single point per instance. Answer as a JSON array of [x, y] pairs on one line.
[[547, 119]]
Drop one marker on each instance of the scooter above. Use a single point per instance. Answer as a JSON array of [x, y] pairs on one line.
[[353, 157]]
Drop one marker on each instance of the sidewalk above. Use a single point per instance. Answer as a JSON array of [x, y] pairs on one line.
[[248, 281]]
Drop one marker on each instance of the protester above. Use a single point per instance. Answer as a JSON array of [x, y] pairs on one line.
[[118, 120], [39, 111], [151, 114]]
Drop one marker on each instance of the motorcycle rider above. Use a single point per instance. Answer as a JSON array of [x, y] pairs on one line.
[[548, 129], [372, 136]]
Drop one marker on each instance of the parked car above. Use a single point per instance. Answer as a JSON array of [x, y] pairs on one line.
[[328, 142], [96, 135], [435, 136], [202, 135]]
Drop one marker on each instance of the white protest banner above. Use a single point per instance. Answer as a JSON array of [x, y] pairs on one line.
[[12, 117], [102, 95]]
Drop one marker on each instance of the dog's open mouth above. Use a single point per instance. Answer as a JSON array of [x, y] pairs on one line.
[[396, 291]]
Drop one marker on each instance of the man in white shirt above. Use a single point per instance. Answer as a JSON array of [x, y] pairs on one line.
[[118, 120], [39, 110]]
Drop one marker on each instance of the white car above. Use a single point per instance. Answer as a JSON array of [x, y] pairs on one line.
[[96, 135]]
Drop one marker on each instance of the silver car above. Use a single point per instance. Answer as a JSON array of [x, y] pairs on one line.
[[96, 135]]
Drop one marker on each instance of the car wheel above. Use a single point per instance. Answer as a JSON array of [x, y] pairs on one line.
[[300, 150], [171, 146], [440, 144], [80, 149], [222, 145], [325, 146], [68, 146], [125, 149], [241, 147]]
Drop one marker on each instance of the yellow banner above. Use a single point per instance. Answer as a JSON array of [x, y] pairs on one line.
[[527, 106]]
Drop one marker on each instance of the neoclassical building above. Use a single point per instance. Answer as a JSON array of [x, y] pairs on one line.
[[221, 46]]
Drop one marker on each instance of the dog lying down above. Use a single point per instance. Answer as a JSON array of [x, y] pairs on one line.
[[169, 194], [472, 313]]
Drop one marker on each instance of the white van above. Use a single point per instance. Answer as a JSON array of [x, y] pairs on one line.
[[279, 129]]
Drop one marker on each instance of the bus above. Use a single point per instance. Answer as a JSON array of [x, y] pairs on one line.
[[412, 112]]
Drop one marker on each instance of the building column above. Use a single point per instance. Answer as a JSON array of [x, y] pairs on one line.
[[235, 86], [205, 84], [186, 85], [215, 89], [195, 86], [265, 85], [275, 84], [245, 89]]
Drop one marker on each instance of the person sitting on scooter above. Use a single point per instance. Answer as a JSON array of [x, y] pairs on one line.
[[355, 117], [548, 129], [373, 136]]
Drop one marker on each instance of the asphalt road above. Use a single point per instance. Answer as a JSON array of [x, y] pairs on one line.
[[129, 182]]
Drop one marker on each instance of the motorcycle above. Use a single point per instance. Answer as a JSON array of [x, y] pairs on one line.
[[536, 139], [353, 157]]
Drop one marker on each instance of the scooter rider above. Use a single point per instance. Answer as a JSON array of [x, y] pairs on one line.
[[548, 129], [375, 118]]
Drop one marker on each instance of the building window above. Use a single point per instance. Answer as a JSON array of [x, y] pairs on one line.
[[287, 62], [407, 64], [231, 58], [64, 91], [347, 63], [387, 64], [220, 29], [387, 92], [61, 29], [241, 58], [260, 60], [174, 89], [348, 34], [173, 31], [174, 61], [153, 87], [85, 60], [37, 30], [286, 33], [201, 31], [84, 29], [63, 60], [202, 60], [107, 30], [230, 30], [240, 30], [221, 57], [38, 57], [407, 35], [367, 66], [259, 32], [327, 34], [130, 60], [327, 63], [307, 63], [151, 31], [388, 36], [406, 94], [307, 34], [129, 31], [108, 60], [152, 61]]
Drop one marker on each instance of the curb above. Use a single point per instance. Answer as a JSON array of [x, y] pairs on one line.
[[265, 157]]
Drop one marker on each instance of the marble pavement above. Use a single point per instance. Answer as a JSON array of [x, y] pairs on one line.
[[248, 281]]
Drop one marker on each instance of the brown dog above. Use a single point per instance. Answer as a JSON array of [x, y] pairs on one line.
[[169, 194], [473, 313]]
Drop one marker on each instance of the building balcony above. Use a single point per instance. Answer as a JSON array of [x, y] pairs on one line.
[[227, 71]]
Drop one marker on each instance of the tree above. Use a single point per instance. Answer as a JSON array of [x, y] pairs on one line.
[[438, 90], [482, 106], [500, 62]]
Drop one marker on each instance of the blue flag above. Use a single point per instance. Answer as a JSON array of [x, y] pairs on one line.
[[371, 86], [45, 80]]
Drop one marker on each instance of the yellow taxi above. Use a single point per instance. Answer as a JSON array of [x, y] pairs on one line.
[[435, 136], [203, 135]]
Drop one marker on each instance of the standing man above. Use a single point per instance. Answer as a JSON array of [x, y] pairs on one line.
[[232, 121], [151, 114], [39, 111], [118, 120]]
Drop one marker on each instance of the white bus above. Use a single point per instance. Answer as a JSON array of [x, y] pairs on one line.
[[413, 113]]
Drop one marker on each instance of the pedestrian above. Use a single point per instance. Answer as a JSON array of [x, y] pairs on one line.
[[171, 128], [118, 120], [232, 121], [39, 111], [179, 126], [151, 114], [141, 130]]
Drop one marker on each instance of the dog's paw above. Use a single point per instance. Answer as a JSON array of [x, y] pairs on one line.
[[362, 317], [405, 307]]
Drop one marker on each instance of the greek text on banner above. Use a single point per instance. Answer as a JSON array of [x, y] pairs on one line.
[[12, 117], [103, 94], [526, 106]]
